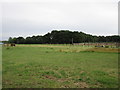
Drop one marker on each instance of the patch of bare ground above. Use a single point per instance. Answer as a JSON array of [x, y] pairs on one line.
[[62, 80], [65, 86], [50, 77], [55, 79], [81, 84], [116, 50], [78, 84], [82, 72], [7, 82], [97, 85], [113, 74]]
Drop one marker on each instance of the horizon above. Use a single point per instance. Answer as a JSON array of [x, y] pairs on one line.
[[94, 17]]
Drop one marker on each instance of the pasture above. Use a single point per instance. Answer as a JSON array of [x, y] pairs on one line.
[[59, 66]]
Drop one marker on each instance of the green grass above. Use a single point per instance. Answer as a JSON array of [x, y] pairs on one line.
[[58, 66], [0, 66]]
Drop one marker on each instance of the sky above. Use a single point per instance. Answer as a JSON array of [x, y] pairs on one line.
[[38, 17]]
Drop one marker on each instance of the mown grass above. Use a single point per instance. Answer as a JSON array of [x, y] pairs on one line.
[[58, 66]]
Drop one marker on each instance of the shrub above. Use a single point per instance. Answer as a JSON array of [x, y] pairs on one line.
[[106, 46]]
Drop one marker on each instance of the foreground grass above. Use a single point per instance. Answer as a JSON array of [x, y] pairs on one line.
[[59, 66], [0, 66]]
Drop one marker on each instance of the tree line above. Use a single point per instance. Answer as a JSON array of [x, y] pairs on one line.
[[63, 37]]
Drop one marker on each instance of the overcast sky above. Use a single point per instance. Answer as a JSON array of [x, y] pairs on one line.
[[38, 17]]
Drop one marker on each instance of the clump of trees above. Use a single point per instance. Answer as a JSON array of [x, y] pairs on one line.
[[63, 37]]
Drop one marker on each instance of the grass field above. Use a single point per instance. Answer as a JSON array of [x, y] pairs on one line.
[[59, 66], [0, 67]]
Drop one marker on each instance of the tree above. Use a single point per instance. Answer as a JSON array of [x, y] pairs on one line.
[[63, 37], [10, 40]]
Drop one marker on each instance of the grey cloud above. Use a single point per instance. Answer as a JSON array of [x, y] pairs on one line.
[[98, 17]]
